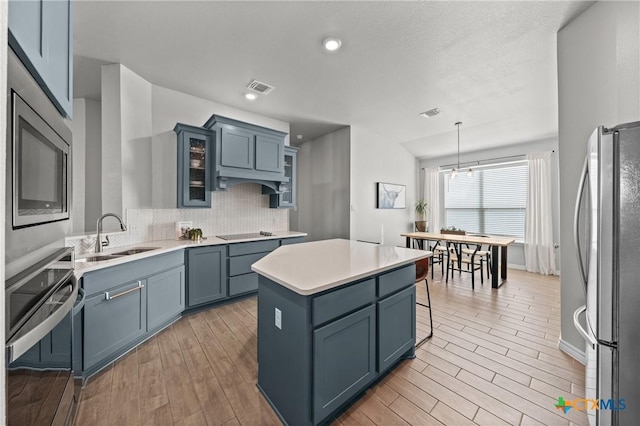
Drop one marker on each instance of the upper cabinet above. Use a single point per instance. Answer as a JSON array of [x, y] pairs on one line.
[[246, 153], [286, 198], [194, 165], [40, 32]]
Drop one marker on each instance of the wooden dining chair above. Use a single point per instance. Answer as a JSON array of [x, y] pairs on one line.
[[483, 256], [456, 257], [422, 272], [439, 252]]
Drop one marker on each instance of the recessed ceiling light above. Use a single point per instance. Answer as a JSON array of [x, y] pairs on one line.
[[251, 96], [332, 43], [299, 136]]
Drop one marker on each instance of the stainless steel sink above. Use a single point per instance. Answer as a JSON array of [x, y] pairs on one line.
[[135, 250], [98, 258]]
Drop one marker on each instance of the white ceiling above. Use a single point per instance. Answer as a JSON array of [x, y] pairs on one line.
[[491, 65]]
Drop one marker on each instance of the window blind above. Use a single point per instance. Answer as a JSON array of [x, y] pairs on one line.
[[491, 201]]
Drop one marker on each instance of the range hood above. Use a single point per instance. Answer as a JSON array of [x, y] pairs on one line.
[[246, 153]]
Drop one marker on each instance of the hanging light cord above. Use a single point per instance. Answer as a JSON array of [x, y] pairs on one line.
[[458, 125]]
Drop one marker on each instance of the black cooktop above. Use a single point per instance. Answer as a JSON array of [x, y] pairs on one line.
[[243, 236]]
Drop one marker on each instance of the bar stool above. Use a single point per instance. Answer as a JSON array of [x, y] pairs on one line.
[[422, 272]]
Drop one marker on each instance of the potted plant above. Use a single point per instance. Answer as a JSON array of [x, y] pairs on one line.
[[421, 215], [453, 230], [195, 234]]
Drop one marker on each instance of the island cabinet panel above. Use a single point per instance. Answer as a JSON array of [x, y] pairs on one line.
[[114, 319], [343, 340], [207, 274], [165, 297], [344, 355], [396, 327]]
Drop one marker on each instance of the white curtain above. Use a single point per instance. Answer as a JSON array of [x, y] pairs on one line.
[[432, 196], [539, 255]]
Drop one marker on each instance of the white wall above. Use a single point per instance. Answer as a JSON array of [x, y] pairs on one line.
[[516, 251], [374, 159], [3, 129], [111, 148], [598, 84], [323, 185], [87, 166]]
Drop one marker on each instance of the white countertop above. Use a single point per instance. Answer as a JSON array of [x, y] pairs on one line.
[[310, 268], [164, 246]]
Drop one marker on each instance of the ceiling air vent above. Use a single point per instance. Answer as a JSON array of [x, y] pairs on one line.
[[259, 87], [431, 113]]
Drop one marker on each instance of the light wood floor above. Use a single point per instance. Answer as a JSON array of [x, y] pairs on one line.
[[493, 360]]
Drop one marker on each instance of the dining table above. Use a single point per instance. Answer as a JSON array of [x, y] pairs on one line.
[[493, 242]]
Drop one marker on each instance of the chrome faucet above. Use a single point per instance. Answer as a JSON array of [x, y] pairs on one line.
[[99, 228]]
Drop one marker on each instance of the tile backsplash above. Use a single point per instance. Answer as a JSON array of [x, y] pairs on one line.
[[243, 208]]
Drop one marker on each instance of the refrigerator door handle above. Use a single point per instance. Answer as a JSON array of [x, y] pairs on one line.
[[576, 322], [576, 221]]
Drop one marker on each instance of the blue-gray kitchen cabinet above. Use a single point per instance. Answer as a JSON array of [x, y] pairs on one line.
[[113, 319], [41, 34], [206, 274], [396, 327], [344, 360], [286, 198], [245, 152], [165, 297], [194, 166]]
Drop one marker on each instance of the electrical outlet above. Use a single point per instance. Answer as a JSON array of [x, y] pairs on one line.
[[279, 318]]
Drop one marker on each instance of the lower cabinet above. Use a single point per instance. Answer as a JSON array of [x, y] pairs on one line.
[[207, 274], [396, 327], [113, 319], [165, 297], [344, 354]]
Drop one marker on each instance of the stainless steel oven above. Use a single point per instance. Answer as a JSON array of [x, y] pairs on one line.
[[40, 169], [39, 346]]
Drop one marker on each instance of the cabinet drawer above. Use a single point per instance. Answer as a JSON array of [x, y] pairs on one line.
[[294, 240], [243, 284], [103, 279], [253, 247], [396, 326], [342, 301], [242, 264], [396, 280]]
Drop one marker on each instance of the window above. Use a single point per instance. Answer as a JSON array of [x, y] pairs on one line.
[[491, 201]]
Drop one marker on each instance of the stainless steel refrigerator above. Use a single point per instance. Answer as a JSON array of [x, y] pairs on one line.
[[608, 246]]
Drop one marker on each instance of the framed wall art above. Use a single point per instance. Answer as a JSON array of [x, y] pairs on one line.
[[391, 196]]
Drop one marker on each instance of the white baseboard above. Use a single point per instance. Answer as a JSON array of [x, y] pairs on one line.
[[516, 266], [572, 351]]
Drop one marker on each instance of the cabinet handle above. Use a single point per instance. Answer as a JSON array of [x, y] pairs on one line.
[[107, 296]]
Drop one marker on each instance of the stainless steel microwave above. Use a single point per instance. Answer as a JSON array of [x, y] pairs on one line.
[[41, 169]]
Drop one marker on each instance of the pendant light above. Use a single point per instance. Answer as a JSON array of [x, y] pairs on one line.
[[455, 170]]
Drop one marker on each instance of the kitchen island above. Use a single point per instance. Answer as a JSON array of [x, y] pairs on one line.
[[333, 317]]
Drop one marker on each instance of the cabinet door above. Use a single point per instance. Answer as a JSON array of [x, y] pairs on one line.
[[55, 347], [207, 275], [40, 32], [396, 326], [57, 28], [194, 165], [269, 153], [237, 148], [287, 199], [344, 353], [165, 297], [113, 319]]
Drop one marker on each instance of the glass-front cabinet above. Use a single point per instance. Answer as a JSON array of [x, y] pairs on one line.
[[194, 166], [287, 198]]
